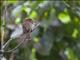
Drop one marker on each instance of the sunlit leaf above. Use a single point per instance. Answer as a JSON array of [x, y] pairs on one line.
[[65, 10], [33, 15], [70, 54], [27, 9], [76, 19], [74, 34], [33, 56], [10, 2], [64, 18], [46, 14], [53, 10], [18, 20], [36, 40], [33, 50]]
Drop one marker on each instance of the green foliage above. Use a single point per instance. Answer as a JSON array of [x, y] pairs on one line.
[[64, 18], [59, 30]]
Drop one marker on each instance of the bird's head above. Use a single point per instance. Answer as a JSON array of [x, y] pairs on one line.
[[27, 25]]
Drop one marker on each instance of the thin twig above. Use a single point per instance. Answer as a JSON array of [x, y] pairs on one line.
[[7, 43], [2, 30], [2, 36], [35, 27], [16, 46]]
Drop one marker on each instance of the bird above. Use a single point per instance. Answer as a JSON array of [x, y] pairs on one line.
[[22, 35], [22, 32]]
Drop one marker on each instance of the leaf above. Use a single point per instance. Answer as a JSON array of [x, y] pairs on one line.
[[11, 2], [36, 40], [18, 20], [74, 34], [27, 9], [64, 18], [70, 54], [33, 15]]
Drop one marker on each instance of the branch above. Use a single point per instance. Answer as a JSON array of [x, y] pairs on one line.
[[21, 40], [7, 43]]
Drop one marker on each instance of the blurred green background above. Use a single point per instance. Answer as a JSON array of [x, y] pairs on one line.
[[57, 37]]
